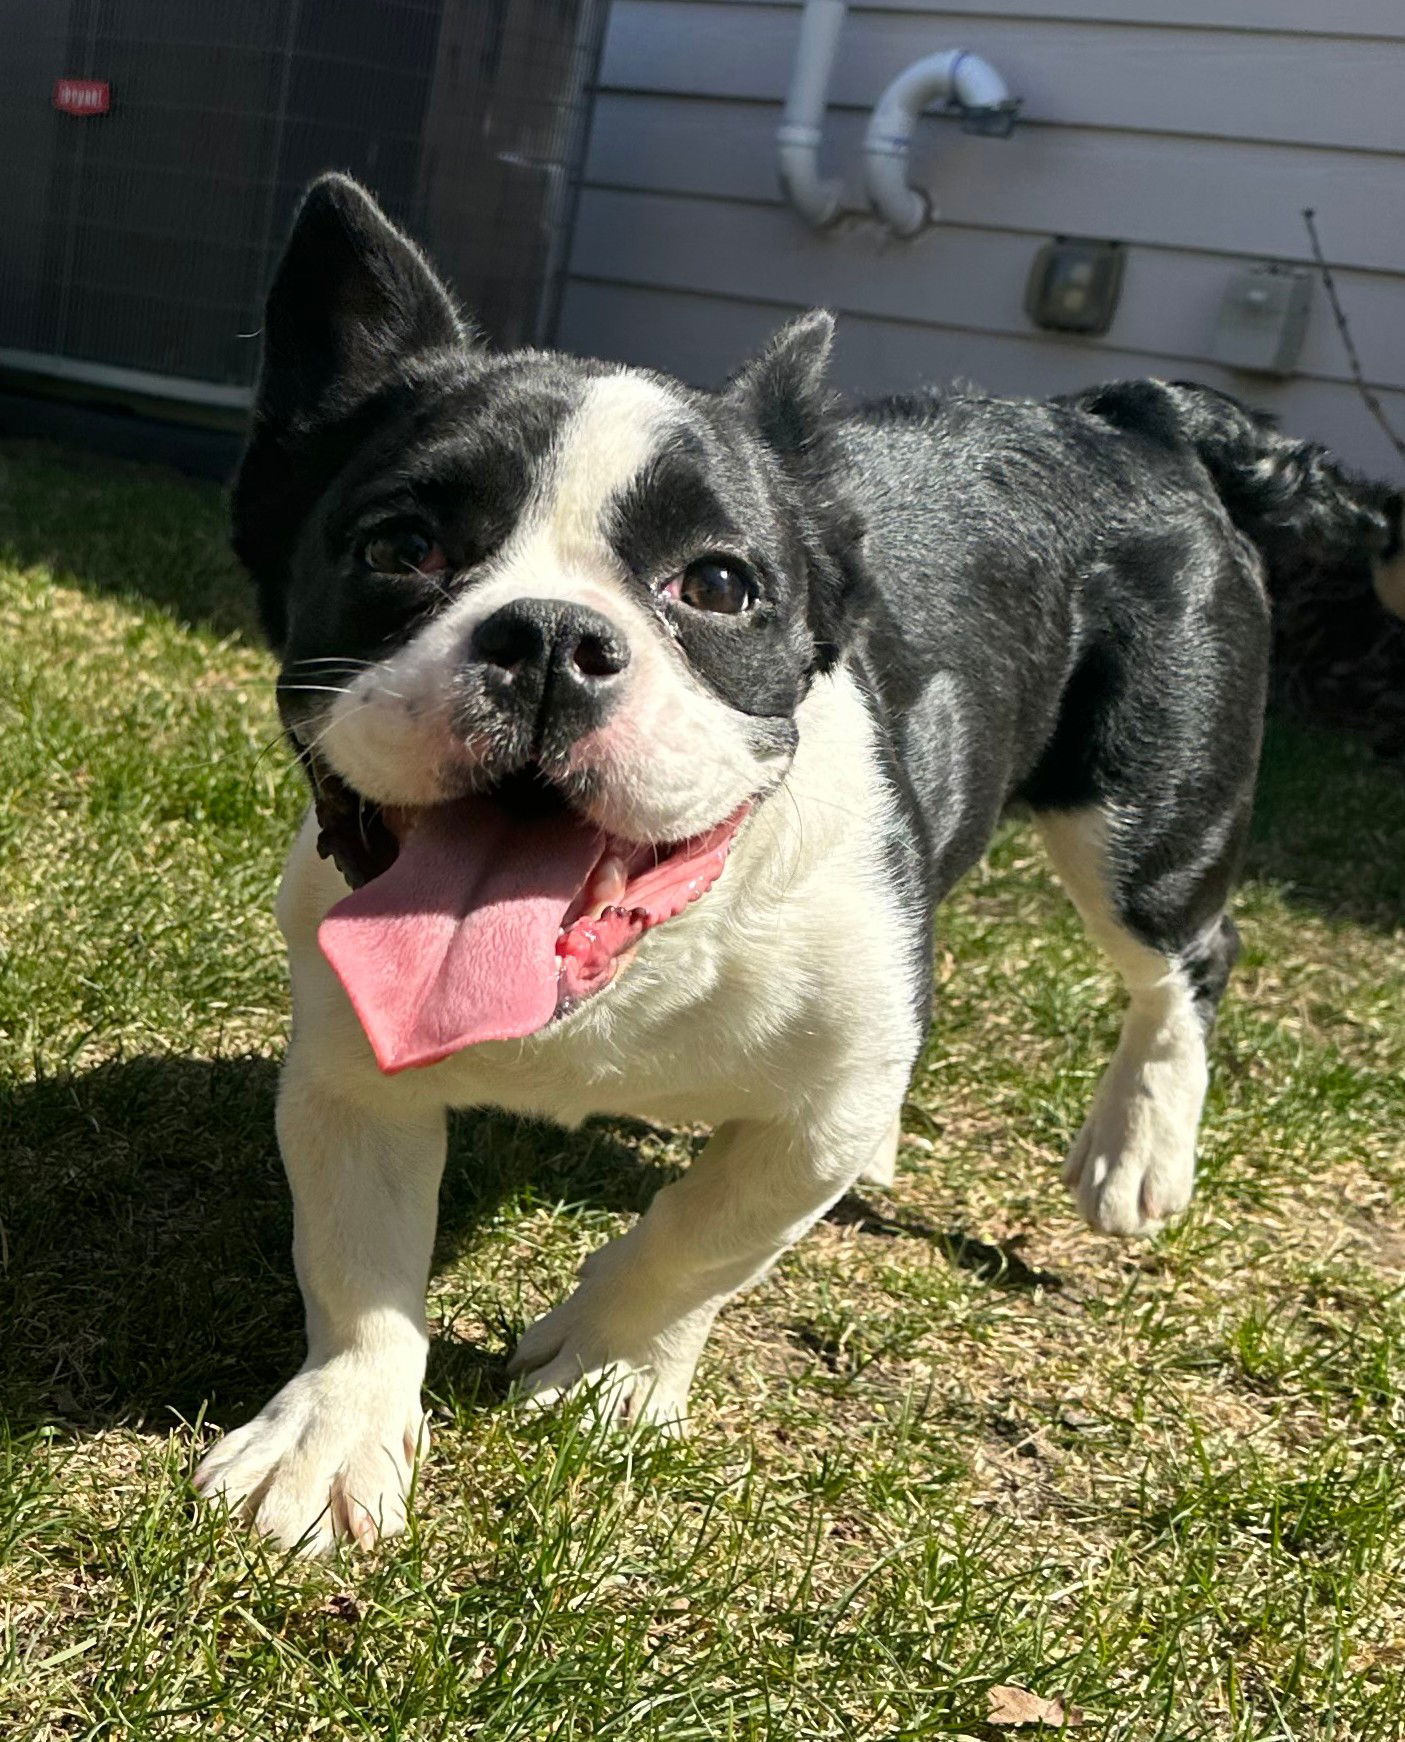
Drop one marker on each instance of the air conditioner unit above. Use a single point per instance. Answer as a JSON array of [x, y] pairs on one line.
[[151, 152]]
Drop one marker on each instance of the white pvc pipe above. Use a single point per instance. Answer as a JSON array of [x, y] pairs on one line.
[[801, 131], [955, 75]]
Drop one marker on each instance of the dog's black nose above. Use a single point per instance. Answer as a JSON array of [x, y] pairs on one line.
[[553, 660], [570, 641]]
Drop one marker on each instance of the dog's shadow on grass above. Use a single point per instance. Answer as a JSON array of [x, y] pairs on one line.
[[146, 1228]]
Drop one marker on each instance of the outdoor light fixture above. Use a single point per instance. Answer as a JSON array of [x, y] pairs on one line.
[[1074, 285]]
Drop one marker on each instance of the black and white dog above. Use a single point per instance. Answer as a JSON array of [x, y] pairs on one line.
[[646, 729]]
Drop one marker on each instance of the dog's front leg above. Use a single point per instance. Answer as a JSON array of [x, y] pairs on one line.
[[637, 1321], [331, 1454]]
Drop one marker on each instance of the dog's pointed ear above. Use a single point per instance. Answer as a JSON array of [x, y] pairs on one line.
[[353, 301], [783, 389], [784, 395], [352, 298]]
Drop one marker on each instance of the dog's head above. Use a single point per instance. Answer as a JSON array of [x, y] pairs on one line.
[[545, 624]]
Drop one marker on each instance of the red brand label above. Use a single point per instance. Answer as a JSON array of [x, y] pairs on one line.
[[82, 96]]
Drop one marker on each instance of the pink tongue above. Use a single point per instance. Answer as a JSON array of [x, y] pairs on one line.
[[456, 942]]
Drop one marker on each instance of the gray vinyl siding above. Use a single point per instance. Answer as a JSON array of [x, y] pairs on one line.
[[1193, 130]]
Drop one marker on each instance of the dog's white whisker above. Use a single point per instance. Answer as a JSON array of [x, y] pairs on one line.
[[351, 664], [798, 796]]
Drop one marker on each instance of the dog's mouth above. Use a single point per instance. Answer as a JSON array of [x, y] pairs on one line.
[[487, 917]]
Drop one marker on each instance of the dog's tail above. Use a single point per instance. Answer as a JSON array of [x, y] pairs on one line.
[[1296, 502]]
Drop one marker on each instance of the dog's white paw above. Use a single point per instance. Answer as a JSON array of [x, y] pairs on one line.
[[620, 1336], [330, 1456], [1129, 1170], [1133, 1164]]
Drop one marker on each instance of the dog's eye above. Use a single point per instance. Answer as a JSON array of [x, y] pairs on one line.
[[715, 583], [402, 550]]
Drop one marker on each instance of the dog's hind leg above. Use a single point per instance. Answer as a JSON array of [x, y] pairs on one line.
[[1163, 926]]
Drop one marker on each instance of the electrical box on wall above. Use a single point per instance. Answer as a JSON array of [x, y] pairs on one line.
[[1074, 285], [1263, 319]]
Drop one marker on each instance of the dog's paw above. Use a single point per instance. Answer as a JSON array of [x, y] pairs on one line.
[[1129, 1175], [626, 1341], [330, 1456]]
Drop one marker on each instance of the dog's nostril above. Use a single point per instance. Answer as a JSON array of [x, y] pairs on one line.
[[599, 656], [509, 639]]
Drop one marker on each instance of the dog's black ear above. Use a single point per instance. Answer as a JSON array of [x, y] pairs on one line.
[[783, 389], [783, 393], [352, 301], [352, 298]]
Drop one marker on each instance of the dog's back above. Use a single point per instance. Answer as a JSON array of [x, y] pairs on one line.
[[1043, 561]]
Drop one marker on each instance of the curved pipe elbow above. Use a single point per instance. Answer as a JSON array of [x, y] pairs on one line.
[[798, 138], [977, 85], [815, 198], [954, 76], [902, 207]]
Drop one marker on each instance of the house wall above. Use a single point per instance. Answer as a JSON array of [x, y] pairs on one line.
[[1193, 130]]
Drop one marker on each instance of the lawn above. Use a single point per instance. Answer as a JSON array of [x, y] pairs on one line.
[[954, 1441]]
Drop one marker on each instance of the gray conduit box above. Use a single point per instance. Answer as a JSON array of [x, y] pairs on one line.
[[1263, 319], [1074, 285]]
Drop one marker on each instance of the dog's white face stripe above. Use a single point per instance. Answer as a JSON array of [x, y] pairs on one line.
[[600, 451]]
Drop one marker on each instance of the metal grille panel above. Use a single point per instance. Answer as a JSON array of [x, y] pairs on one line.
[[143, 239]]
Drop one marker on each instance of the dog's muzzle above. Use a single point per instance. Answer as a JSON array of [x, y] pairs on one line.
[[551, 668]]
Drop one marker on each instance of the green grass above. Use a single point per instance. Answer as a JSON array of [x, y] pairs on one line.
[[955, 1440]]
